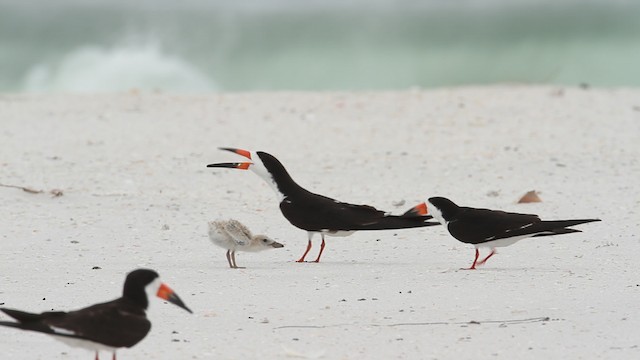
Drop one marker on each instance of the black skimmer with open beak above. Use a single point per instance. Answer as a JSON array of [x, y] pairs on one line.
[[235, 236], [107, 326], [316, 213], [491, 228]]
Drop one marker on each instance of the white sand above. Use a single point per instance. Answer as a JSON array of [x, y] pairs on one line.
[[130, 164]]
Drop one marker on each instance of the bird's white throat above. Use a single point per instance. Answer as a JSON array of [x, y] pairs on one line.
[[259, 169], [435, 212], [152, 289]]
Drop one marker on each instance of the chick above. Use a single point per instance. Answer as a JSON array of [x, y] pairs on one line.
[[233, 236]]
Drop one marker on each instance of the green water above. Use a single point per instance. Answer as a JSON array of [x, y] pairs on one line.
[[321, 47]]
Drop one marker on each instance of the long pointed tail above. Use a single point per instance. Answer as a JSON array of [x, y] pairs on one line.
[[21, 316], [399, 222], [553, 227], [558, 224], [16, 325], [25, 317], [558, 232], [31, 326]]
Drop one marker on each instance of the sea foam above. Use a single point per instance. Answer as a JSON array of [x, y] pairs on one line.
[[92, 68]]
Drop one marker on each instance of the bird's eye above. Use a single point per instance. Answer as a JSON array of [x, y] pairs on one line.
[[264, 240]]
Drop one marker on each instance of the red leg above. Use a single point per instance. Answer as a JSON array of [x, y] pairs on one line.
[[305, 253], [493, 251], [321, 249], [97, 357], [473, 267], [114, 356]]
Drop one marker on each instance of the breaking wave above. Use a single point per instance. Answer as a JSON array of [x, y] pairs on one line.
[[99, 69], [205, 45]]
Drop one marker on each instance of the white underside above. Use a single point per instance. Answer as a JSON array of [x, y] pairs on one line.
[[503, 242], [85, 344], [337, 233]]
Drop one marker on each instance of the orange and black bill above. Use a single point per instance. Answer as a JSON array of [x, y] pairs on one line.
[[418, 210], [240, 152], [235, 165], [165, 292]]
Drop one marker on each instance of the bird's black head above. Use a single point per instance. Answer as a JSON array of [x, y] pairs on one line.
[[135, 286], [278, 173], [266, 166], [143, 283], [273, 165], [443, 208]]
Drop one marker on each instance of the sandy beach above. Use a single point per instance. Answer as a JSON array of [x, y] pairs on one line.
[[134, 190]]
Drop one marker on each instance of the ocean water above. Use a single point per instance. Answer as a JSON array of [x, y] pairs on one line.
[[202, 46]]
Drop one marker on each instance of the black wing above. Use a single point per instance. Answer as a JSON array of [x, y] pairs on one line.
[[474, 226], [116, 323], [316, 212]]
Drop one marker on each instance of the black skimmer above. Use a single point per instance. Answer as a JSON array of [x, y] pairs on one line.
[[234, 236], [316, 213], [491, 228], [107, 326]]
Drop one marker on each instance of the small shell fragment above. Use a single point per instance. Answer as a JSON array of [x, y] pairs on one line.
[[530, 197], [398, 202]]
